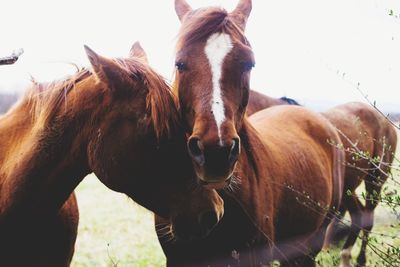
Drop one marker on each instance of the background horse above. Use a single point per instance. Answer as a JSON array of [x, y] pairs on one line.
[[259, 101], [369, 141], [367, 136], [270, 163], [120, 122]]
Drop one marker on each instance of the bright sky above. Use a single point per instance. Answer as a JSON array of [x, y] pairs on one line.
[[314, 51]]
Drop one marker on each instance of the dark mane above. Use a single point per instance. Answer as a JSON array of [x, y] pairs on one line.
[[203, 22], [290, 101]]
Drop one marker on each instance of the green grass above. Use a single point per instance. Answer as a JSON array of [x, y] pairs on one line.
[[114, 231], [385, 223]]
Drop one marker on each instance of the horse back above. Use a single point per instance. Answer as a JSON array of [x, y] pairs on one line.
[[304, 164], [259, 101]]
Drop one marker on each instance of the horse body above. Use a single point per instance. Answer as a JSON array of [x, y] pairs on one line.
[[366, 135], [272, 210], [306, 178], [214, 60], [117, 121]]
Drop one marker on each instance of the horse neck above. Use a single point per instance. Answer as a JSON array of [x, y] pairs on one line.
[[255, 181], [254, 151], [15, 126], [170, 157], [41, 165], [161, 168]]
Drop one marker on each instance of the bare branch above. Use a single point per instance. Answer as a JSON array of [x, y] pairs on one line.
[[11, 59]]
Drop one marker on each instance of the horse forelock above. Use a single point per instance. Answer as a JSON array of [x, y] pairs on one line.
[[202, 23], [159, 100]]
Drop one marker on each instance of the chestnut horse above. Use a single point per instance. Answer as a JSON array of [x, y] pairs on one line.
[[366, 136], [279, 163], [117, 120]]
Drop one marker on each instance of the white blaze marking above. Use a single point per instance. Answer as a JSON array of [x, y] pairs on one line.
[[217, 47]]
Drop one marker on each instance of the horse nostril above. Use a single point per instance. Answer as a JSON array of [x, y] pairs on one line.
[[196, 148], [235, 150], [208, 220]]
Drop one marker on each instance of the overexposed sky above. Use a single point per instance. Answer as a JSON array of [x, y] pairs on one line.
[[312, 50]]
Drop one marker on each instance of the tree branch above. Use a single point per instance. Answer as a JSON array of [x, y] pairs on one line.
[[11, 59]]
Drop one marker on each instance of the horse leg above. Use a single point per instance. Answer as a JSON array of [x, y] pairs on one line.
[[355, 209], [333, 233], [316, 243], [310, 248], [373, 186]]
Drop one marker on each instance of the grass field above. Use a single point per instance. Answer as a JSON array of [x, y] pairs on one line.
[[114, 231]]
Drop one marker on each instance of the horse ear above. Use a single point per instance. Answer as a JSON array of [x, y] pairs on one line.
[[138, 52], [241, 13], [107, 71], [182, 8]]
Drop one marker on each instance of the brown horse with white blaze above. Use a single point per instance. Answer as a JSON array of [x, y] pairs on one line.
[[273, 160], [118, 120], [214, 143]]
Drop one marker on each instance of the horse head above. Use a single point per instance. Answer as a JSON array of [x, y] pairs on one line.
[[213, 65], [139, 148]]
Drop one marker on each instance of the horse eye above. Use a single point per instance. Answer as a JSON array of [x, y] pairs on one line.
[[247, 66], [180, 66]]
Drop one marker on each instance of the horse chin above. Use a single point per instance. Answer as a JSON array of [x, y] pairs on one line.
[[217, 184]]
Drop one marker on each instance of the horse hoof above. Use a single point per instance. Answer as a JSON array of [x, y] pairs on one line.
[[345, 258], [361, 261]]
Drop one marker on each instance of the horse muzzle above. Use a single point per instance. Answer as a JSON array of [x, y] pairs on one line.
[[214, 163]]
